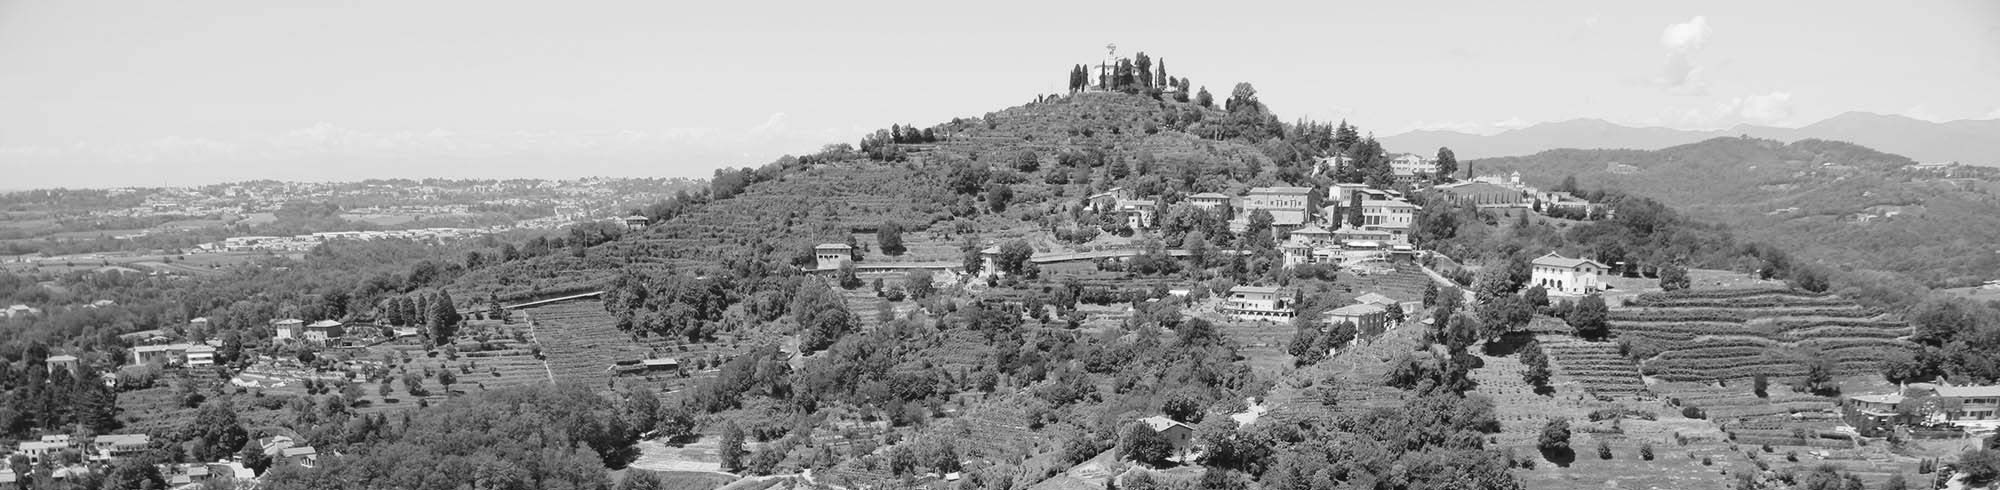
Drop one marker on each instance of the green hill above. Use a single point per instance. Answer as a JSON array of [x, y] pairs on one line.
[[1836, 203]]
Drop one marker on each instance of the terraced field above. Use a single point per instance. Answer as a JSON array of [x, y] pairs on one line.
[[1734, 333], [1596, 367], [580, 340]]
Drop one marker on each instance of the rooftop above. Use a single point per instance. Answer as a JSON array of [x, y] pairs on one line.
[[1161, 422], [1557, 260], [1209, 195], [1357, 310], [1375, 299], [833, 246], [1280, 190], [323, 324], [1969, 391], [1256, 289]]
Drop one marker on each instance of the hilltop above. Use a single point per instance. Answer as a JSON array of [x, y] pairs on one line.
[[1069, 293], [1835, 202]]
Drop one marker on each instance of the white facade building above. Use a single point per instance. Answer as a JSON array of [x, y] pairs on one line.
[[1564, 275]]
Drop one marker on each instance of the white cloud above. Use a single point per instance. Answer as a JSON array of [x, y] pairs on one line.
[[1919, 112], [1992, 115], [1768, 109], [776, 123], [1686, 36], [1681, 75], [1471, 127]]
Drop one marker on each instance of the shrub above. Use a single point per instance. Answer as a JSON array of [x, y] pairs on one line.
[[1693, 413], [1603, 450], [1555, 436], [1646, 451], [1706, 461], [1979, 467]]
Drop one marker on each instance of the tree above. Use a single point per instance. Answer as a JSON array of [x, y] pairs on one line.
[[134, 474], [1140, 443], [444, 318], [1202, 98], [1013, 257], [216, 431], [1980, 467], [1537, 296], [1493, 282], [821, 315], [731, 447], [1355, 217], [1760, 384], [1537, 362], [638, 479], [1182, 405], [1345, 136], [889, 238], [1674, 277], [253, 457], [446, 377], [1226, 446], [1258, 233], [413, 383], [971, 257], [1305, 347], [1447, 164], [1819, 375], [1554, 437], [918, 283], [997, 196], [1591, 318]]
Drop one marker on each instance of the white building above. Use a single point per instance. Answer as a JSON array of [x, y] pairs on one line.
[[1139, 214], [830, 256], [158, 354], [1564, 275], [289, 328], [200, 355], [1258, 303], [1289, 206], [1411, 167], [1208, 201]]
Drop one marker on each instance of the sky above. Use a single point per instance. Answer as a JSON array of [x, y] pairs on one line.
[[98, 93]]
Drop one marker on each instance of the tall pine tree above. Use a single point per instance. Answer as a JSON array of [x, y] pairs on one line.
[[443, 318]]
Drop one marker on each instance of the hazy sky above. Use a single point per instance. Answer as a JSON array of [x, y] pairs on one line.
[[104, 93]]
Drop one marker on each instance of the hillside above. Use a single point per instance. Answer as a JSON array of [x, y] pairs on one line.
[[1839, 203], [1972, 142]]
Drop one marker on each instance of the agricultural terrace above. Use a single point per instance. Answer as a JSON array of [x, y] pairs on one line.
[[1701, 335]]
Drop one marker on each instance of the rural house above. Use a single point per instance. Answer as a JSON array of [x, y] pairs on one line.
[[1178, 435], [830, 256], [1289, 206], [1365, 317], [289, 328], [159, 354], [1564, 275], [1208, 201], [323, 330], [1258, 303], [200, 356]]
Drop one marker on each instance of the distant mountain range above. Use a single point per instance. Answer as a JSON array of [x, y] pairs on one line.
[[1971, 142]]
